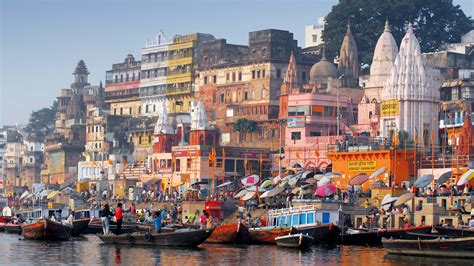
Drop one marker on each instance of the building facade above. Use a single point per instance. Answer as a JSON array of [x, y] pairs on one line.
[[313, 33], [122, 84]]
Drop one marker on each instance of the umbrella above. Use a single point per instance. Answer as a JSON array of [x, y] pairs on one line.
[[250, 180], [241, 193], [276, 179], [466, 177], [388, 199], [310, 181], [333, 175], [52, 194], [275, 191], [378, 172], [288, 177], [307, 174], [293, 181], [470, 200], [254, 188], [199, 183], [404, 199], [324, 181], [444, 177], [423, 181], [296, 190], [378, 184], [265, 194], [283, 183], [224, 184], [24, 195], [326, 190], [267, 183], [44, 193], [318, 177], [249, 195], [358, 180]]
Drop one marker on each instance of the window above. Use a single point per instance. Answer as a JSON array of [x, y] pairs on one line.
[[178, 165], [246, 95], [295, 135], [253, 95], [214, 79], [121, 111], [121, 78], [315, 133], [31, 159], [258, 74], [263, 73], [205, 80], [264, 94], [240, 76], [146, 108], [213, 98], [126, 78], [303, 75], [149, 139], [233, 76], [130, 111], [139, 109], [154, 108], [116, 78], [315, 38], [227, 76], [253, 74], [278, 73], [115, 111], [222, 98], [140, 140]]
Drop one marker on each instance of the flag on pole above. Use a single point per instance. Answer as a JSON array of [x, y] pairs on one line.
[[261, 159], [415, 138]]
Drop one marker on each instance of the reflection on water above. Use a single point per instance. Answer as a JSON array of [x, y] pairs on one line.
[[89, 251]]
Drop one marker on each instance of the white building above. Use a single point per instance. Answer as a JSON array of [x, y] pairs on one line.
[[3, 146], [409, 99], [153, 75], [313, 33]]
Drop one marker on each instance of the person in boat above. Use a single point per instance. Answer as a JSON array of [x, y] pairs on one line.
[[363, 226], [105, 216], [119, 218], [406, 223], [209, 223], [203, 219], [158, 222], [70, 219], [248, 219], [53, 218]]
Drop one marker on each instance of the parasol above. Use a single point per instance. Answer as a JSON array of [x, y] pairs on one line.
[[224, 184], [24, 195], [265, 194], [466, 177], [307, 174], [292, 182], [283, 183], [378, 172], [333, 175], [249, 195], [358, 179], [324, 181], [326, 190], [318, 177], [276, 179], [423, 181], [444, 177], [275, 191], [404, 199], [199, 183], [267, 183], [388, 199], [250, 180], [240, 193]]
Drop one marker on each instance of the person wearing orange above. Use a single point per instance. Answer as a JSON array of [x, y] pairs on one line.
[[119, 217]]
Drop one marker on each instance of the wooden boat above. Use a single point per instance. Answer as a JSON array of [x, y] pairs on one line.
[[234, 233], [95, 227], [455, 231], [183, 237], [300, 241], [45, 229], [13, 229], [266, 235], [79, 226], [326, 234], [454, 247], [374, 238]]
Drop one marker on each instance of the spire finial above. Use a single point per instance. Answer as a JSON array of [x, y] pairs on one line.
[[410, 27], [349, 26], [324, 53], [387, 26]]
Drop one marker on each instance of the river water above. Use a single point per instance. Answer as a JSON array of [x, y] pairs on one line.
[[89, 250]]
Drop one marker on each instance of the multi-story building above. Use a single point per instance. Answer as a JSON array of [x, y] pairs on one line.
[[12, 158], [313, 33], [455, 68], [168, 72], [153, 75], [243, 82], [122, 85], [32, 154]]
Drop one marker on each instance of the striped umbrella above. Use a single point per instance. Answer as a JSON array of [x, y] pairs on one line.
[[358, 179]]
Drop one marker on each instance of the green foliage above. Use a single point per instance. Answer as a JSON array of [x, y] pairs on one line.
[[41, 122], [245, 125], [435, 23]]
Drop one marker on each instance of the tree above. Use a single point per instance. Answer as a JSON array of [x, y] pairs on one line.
[[41, 122], [243, 125], [435, 22]]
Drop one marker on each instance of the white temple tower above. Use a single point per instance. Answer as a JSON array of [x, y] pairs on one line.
[[409, 100]]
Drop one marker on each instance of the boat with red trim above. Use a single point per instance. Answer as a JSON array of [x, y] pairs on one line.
[[374, 237], [233, 233]]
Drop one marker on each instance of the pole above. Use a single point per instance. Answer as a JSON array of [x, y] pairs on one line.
[[337, 112], [279, 150]]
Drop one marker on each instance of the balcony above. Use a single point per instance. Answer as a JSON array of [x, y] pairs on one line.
[[172, 91]]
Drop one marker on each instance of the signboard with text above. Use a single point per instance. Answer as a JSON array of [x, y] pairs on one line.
[[389, 108], [295, 122], [362, 166]]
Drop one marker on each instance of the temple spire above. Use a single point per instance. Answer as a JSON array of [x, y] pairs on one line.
[[291, 77], [387, 26], [162, 125], [349, 59]]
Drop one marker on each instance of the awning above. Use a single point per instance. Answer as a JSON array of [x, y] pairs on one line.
[[53, 194]]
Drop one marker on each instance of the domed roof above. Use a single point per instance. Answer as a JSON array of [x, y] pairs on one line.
[[323, 70], [385, 53]]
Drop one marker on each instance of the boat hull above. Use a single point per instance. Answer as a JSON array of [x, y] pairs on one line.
[[183, 238], [12, 229], [326, 234], [374, 238], [79, 226], [300, 241], [95, 227], [455, 232], [46, 230], [266, 235], [234, 233], [455, 247]]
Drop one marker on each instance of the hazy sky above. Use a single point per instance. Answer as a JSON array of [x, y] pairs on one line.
[[42, 40]]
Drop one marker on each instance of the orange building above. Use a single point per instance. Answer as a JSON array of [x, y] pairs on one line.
[[351, 163]]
